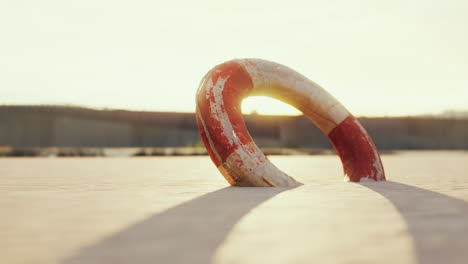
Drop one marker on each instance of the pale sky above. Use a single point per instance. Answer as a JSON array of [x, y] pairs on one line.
[[377, 57]]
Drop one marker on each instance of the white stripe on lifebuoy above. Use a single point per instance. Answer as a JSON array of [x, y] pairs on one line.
[[231, 147]]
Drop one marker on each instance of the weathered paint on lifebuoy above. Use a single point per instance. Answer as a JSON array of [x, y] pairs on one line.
[[233, 150]]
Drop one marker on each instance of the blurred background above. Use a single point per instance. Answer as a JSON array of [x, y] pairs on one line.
[[104, 78]]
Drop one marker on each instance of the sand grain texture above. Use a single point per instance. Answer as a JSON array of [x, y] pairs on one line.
[[180, 210]]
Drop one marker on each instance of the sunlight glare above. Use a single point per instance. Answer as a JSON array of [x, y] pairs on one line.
[[264, 105]]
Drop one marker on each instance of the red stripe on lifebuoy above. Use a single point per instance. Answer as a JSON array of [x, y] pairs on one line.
[[357, 151], [219, 102]]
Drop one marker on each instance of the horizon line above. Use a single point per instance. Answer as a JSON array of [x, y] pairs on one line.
[[448, 113]]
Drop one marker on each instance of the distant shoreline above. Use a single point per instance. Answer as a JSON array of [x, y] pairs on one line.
[[7, 151], [69, 131]]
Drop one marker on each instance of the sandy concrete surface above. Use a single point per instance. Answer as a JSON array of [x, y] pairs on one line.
[[180, 210]]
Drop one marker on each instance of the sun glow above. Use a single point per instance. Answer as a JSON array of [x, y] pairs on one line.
[[151, 55], [267, 106]]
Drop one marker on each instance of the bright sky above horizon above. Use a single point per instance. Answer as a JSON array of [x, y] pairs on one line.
[[377, 57]]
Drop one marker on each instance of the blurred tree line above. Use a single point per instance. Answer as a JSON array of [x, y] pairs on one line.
[[63, 126]]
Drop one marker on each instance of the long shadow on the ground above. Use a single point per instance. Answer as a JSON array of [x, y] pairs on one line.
[[192, 231], [437, 223], [188, 233]]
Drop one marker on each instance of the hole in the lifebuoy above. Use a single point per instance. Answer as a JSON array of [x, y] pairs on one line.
[[266, 118], [285, 133]]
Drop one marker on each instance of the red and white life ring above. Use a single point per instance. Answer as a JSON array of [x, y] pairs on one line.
[[233, 150]]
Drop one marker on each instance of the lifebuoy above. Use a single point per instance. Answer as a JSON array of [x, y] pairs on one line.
[[233, 150]]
